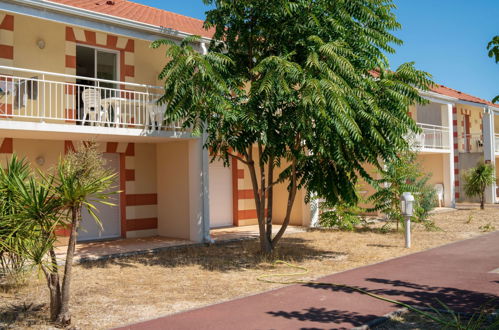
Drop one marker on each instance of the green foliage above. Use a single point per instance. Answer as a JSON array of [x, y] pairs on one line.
[[493, 48], [477, 179], [403, 174], [34, 205], [341, 216], [300, 83], [487, 228], [12, 261]]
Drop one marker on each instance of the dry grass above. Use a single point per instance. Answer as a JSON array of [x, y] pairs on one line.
[[122, 291]]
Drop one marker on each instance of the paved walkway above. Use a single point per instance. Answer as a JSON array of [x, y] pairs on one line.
[[464, 275], [124, 247]]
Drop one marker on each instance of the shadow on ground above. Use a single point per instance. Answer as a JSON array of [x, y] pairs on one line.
[[28, 314], [458, 300], [415, 294], [322, 315], [225, 256]]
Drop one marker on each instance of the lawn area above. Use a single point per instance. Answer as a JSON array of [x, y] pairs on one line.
[[120, 291]]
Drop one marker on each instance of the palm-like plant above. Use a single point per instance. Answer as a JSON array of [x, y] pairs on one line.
[[82, 181], [11, 261], [34, 206], [477, 179]]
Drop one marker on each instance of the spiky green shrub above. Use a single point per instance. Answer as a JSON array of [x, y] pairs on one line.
[[477, 179]]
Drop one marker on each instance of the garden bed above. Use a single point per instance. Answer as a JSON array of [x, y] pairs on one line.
[[125, 290]]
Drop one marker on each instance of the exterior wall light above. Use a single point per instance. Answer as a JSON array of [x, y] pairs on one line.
[[40, 43], [40, 160], [407, 208]]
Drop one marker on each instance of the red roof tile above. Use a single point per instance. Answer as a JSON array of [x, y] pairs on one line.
[[444, 90], [142, 13]]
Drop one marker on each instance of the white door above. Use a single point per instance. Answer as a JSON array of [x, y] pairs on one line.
[[109, 215], [220, 195]]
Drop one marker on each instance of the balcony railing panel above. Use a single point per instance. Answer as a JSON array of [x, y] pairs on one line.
[[496, 136], [431, 137], [32, 95], [471, 142]]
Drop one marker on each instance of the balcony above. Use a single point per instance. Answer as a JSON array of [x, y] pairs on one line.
[[432, 138], [59, 103], [496, 136], [471, 143]]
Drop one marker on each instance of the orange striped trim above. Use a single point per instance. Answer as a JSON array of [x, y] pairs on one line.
[[70, 36], [111, 147], [70, 61], [245, 194], [68, 146], [141, 224], [70, 115], [141, 199], [7, 52], [5, 110], [130, 150], [248, 214], [7, 23], [130, 175], [7, 146]]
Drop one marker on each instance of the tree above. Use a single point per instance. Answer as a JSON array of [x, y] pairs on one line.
[[288, 89], [493, 48], [82, 181], [477, 179], [43, 202], [402, 174]]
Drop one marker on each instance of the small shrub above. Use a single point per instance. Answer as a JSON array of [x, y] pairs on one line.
[[341, 216], [487, 228]]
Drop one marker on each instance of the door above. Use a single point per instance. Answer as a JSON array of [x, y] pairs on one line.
[[109, 215], [95, 63], [220, 179]]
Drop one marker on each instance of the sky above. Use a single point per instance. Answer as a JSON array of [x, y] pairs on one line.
[[446, 38]]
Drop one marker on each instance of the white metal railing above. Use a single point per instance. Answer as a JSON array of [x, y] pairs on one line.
[[33, 95], [496, 136], [471, 142], [431, 137]]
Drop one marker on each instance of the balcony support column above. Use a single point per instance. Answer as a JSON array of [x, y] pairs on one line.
[[489, 150], [448, 159]]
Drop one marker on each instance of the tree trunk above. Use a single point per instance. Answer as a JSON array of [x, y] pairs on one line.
[[54, 286], [482, 201], [289, 207], [64, 317]]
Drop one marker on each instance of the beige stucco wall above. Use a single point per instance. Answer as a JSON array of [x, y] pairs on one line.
[[179, 189], [49, 150], [432, 164], [27, 54], [148, 63]]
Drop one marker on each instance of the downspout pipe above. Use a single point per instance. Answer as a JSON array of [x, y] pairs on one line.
[[205, 182]]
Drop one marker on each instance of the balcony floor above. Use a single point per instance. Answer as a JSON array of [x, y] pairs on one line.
[[56, 131]]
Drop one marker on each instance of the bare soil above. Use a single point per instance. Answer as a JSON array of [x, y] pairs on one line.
[[121, 291]]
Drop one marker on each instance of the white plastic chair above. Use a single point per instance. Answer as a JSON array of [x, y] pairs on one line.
[[155, 116], [439, 190], [92, 107]]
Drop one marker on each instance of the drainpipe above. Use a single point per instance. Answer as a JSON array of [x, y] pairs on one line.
[[205, 179], [205, 191], [204, 49], [489, 149]]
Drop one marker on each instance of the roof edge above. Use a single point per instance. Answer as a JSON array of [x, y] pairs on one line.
[[105, 18]]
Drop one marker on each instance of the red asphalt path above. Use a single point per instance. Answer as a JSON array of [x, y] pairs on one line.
[[459, 274]]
